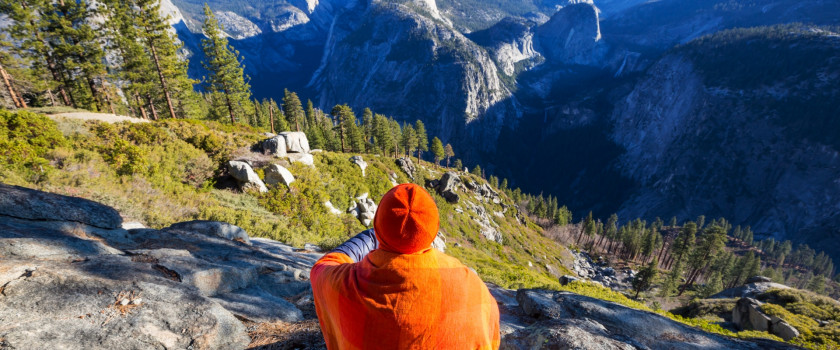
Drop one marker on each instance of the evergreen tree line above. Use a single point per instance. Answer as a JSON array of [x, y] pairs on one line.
[[694, 254], [121, 56], [118, 56]]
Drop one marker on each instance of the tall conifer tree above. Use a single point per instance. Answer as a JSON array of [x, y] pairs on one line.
[[226, 78]]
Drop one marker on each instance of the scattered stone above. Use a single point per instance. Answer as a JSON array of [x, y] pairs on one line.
[[303, 158], [360, 162], [275, 146], [332, 208], [312, 248], [440, 242], [213, 228], [296, 142], [566, 279], [132, 225], [245, 176], [276, 174], [407, 166], [363, 209]]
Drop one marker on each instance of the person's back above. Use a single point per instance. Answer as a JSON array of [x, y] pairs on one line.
[[403, 294]]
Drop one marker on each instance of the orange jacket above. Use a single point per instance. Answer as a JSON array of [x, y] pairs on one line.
[[423, 300]]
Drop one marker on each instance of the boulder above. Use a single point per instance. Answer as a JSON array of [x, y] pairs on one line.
[[213, 228], [275, 146], [566, 279], [245, 176], [448, 186], [360, 162], [25, 203], [331, 208], [277, 174], [782, 329], [296, 142], [440, 242], [364, 209], [407, 166], [303, 158], [758, 279], [747, 315], [749, 290]]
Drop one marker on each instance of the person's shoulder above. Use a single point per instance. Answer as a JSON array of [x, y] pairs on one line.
[[449, 262]]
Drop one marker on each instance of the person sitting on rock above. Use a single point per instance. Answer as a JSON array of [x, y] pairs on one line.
[[387, 288]]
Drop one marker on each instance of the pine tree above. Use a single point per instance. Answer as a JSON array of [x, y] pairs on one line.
[[644, 279], [458, 165], [226, 74], [27, 28], [345, 124], [409, 139], [292, 109], [367, 127], [75, 46], [382, 134], [449, 153], [437, 150], [712, 241], [310, 115], [422, 138], [477, 170]]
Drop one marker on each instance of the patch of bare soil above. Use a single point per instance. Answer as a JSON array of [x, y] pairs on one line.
[[285, 336]]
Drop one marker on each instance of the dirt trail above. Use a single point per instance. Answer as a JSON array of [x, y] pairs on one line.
[[105, 117]]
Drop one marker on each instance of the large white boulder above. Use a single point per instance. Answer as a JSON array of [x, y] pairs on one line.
[[245, 175], [276, 174], [304, 158], [296, 142], [275, 146]]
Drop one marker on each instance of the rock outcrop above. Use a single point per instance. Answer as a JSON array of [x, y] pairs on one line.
[[277, 174], [69, 284], [748, 290], [25, 203], [363, 209], [245, 176], [541, 319], [747, 315], [407, 166], [359, 161], [604, 275], [286, 142], [275, 146], [296, 142], [448, 186]]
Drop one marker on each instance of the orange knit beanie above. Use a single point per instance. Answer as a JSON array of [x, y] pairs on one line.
[[407, 220]]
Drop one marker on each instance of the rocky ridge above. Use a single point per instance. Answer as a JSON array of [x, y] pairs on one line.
[[79, 280]]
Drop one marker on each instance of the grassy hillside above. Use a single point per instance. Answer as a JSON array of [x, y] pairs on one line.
[[169, 171]]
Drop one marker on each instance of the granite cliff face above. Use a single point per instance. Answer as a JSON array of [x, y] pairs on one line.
[[704, 138], [400, 63]]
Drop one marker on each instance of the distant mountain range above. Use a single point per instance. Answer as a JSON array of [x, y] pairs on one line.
[[644, 108]]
